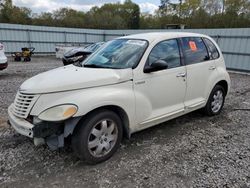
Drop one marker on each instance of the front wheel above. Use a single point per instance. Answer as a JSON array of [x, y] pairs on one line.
[[98, 136], [215, 102]]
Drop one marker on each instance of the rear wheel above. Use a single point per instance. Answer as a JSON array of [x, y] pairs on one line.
[[98, 136], [215, 102]]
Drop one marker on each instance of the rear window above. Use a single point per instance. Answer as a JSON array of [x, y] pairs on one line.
[[214, 53], [194, 49]]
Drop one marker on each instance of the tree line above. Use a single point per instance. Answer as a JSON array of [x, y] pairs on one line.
[[127, 15]]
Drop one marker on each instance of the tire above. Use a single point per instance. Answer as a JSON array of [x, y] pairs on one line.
[[215, 101], [97, 137], [17, 58]]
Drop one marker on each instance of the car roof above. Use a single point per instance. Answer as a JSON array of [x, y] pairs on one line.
[[161, 35]]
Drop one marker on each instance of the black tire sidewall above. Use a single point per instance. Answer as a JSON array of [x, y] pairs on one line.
[[208, 108], [81, 135]]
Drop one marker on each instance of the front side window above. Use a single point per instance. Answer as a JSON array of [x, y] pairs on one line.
[[117, 54], [212, 49], [168, 51], [195, 50]]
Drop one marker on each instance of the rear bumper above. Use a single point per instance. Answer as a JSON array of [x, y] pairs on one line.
[[22, 126], [3, 65]]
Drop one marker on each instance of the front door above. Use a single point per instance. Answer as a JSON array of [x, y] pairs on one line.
[[161, 94]]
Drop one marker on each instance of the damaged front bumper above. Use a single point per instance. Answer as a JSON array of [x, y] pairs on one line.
[[21, 126], [52, 133]]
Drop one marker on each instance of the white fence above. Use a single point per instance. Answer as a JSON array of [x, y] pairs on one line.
[[235, 43]]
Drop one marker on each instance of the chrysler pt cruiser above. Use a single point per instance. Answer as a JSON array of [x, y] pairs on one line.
[[129, 84]]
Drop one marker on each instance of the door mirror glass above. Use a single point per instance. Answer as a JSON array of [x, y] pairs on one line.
[[156, 66]]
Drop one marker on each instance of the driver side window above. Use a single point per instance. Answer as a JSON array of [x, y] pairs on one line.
[[168, 51]]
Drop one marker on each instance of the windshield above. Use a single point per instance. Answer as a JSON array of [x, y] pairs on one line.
[[117, 54], [93, 47]]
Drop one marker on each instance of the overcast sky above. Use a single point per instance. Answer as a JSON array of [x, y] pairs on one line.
[[38, 6]]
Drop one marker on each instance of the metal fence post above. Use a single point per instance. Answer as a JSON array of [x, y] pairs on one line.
[[104, 36], [28, 38], [65, 37], [86, 38], [217, 39]]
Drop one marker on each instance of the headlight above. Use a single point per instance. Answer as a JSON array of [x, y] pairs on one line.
[[58, 113]]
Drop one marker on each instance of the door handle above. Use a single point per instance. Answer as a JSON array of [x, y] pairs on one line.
[[181, 75], [212, 68]]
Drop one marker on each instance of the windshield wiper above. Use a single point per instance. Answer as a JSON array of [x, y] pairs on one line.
[[94, 66], [100, 66]]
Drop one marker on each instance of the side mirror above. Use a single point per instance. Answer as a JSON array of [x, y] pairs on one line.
[[156, 66]]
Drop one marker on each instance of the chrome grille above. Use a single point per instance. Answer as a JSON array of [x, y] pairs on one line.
[[23, 104]]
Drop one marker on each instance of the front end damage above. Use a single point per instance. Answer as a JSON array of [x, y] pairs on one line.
[[43, 132]]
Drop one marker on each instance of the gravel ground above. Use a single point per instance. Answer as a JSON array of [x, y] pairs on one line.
[[190, 151]]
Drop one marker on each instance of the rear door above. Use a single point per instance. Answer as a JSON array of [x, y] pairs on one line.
[[200, 68]]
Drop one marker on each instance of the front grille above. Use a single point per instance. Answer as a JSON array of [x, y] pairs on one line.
[[23, 104]]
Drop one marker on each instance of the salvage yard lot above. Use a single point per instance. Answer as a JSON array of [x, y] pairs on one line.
[[190, 151]]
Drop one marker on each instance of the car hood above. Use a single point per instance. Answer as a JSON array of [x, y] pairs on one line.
[[75, 51], [72, 77]]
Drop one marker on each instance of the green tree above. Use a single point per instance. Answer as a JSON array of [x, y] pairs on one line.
[[131, 14], [213, 7], [193, 13], [14, 14], [68, 18], [105, 17], [44, 18], [114, 16], [149, 21], [236, 6]]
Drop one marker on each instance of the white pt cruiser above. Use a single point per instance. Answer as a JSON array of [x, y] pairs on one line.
[[129, 84]]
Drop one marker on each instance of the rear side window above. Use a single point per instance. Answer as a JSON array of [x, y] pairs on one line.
[[214, 53], [194, 49]]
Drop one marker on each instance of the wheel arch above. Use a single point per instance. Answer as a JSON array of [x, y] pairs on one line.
[[224, 84], [119, 111]]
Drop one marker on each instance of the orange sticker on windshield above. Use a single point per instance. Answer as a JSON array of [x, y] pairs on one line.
[[193, 46]]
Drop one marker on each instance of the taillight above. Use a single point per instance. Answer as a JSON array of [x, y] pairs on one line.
[[1, 46]]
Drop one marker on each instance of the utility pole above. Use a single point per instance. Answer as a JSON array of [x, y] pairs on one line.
[[180, 11], [223, 6]]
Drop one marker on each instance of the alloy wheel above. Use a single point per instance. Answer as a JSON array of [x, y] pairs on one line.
[[217, 101], [102, 138]]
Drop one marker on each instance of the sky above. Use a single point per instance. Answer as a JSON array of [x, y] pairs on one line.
[[39, 6]]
